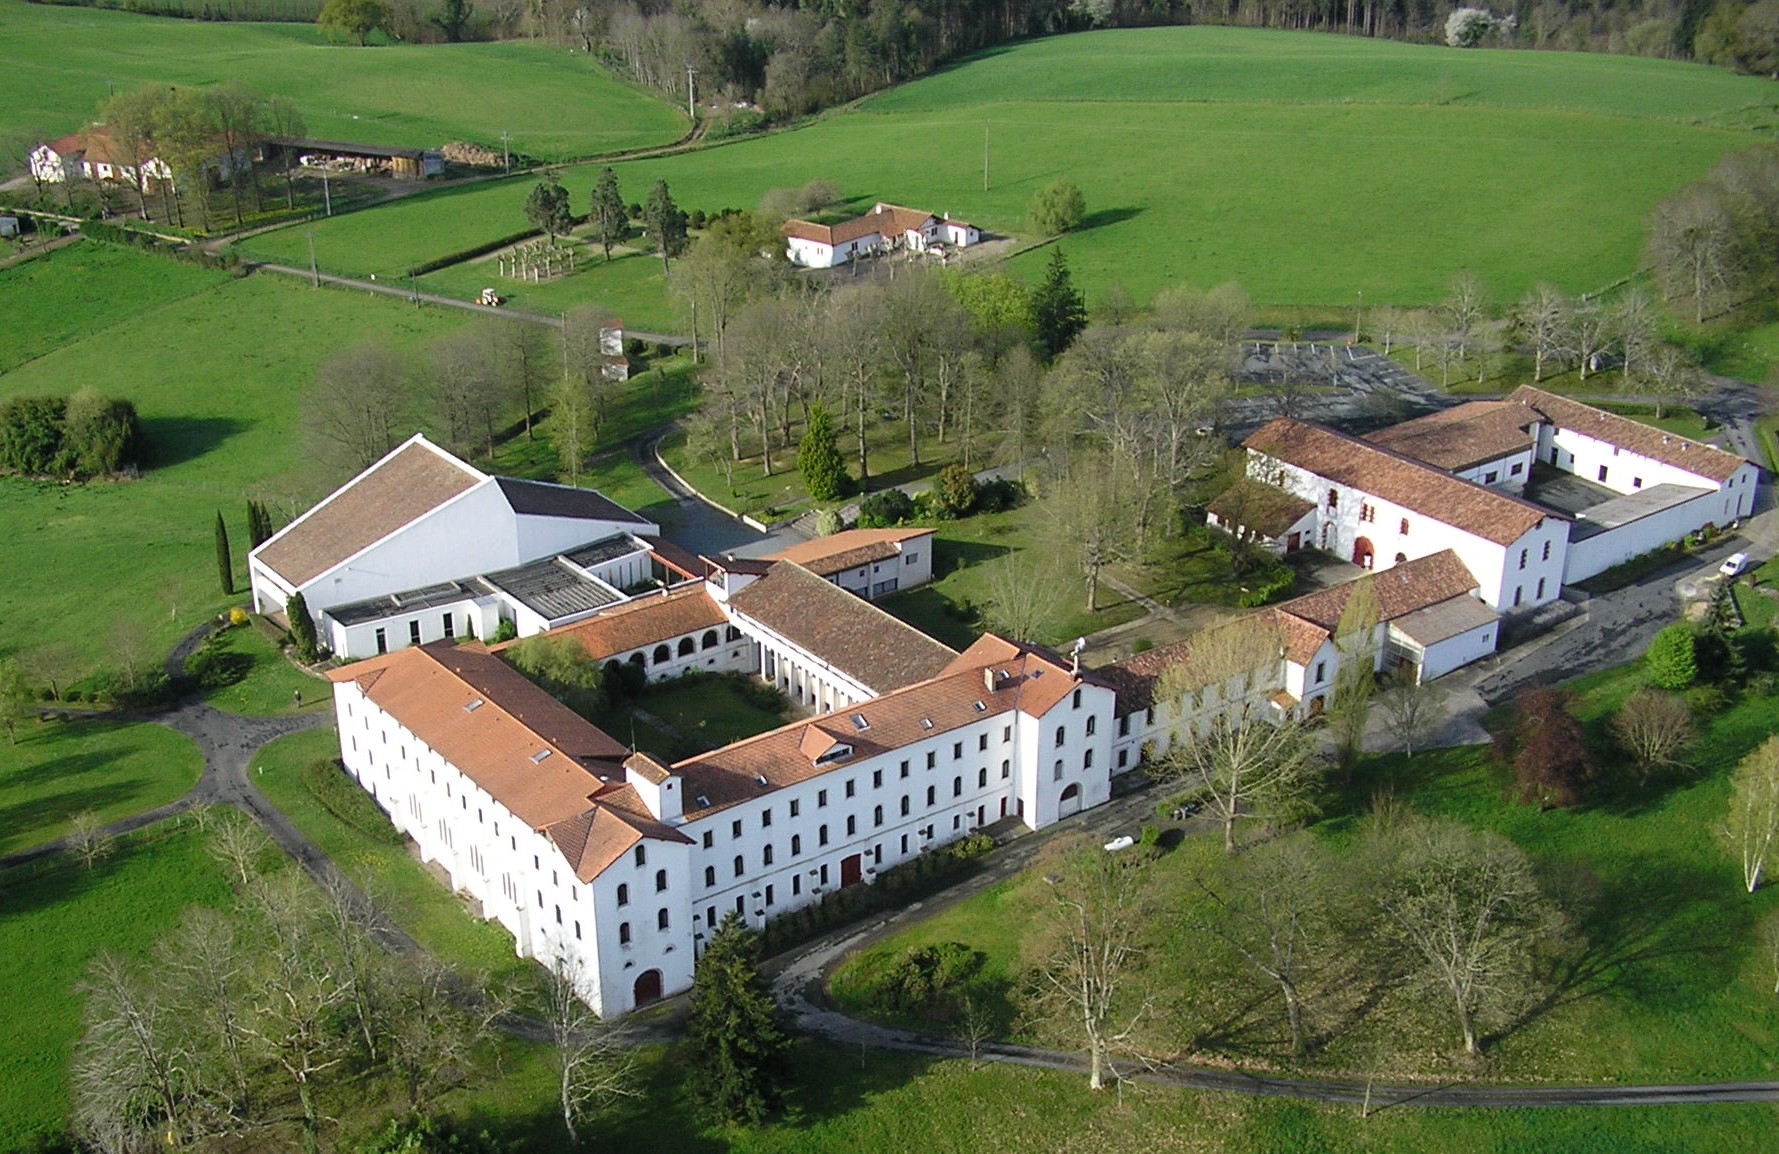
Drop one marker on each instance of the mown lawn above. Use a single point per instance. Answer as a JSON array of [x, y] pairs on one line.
[[62, 63], [710, 711], [272, 683], [55, 299], [632, 287], [954, 607], [1668, 985], [394, 879], [57, 769], [1278, 161], [218, 377], [57, 916]]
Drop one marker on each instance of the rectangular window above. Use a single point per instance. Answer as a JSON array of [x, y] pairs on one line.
[[413, 632], [877, 779], [1403, 528], [382, 641], [708, 839], [957, 751], [982, 743], [904, 770], [821, 799], [852, 788], [1541, 588], [1321, 671], [910, 558], [1367, 512], [1524, 553], [768, 895], [796, 884], [1547, 550], [824, 876], [1490, 477], [932, 759], [1516, 469], [1518, 594], [796, 808], [735, 829], [1636, 482], [1602, 472]]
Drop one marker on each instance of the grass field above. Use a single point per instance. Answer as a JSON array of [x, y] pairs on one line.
[[951, 607], [62, 63], [57, 769], [1305, 167], [58, 917], [217, 376], [269, 688], [417, 902], [1675, 990], [632, 287], [709, 711]]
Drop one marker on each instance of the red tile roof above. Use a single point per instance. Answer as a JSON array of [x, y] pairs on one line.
[[645, 622], [854, 636], [1400, 590], [548, 766], [398, 490], [886, 220], [1402, 480], [1460, 437], [1027, 681], [1632, 436], [849, 549]]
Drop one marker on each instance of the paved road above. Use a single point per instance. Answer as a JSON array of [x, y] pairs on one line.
[[696, 524], [407, 294]]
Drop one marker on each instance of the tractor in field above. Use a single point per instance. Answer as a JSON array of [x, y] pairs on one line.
[[489, 299]]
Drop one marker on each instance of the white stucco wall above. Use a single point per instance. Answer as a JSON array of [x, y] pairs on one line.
[[471, 618]]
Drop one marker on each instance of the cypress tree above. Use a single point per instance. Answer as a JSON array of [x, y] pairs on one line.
[[819, 459], [302, 627], [225, 564], [738, 1075], [1059, 310], [259, 524]]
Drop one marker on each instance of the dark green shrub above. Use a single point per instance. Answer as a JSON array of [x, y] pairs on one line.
[[31, 437], [211, 668], [885, 510], [954, 492], [998, 494], [327, 781], [1708, 700], [1267, 587]]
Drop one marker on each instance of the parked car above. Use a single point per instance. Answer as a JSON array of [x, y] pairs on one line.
[[1733, 565]]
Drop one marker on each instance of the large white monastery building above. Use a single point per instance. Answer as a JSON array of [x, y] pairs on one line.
[[587, 850]]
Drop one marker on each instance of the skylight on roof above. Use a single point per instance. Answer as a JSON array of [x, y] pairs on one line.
[[538, 757], [703, 801], [926, 723], [473, 706], [980, 708], [859, 723]]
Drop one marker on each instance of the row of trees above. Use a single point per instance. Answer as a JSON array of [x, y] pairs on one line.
[[792, 59], [1714, 245]]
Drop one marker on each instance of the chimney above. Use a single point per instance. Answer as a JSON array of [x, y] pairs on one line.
[[988, 679]]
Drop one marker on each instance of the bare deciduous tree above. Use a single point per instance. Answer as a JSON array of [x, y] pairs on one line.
[[1654, 727], [131, 1075], [86, 838], [1022, 596], [1412, 709], [1090, 949], [1691, 245], [1355, 670], [1671, 377], [209, 965], [1541, 320], [1245, 764], [574, 426], [593, 1066], [1273, 907], [1087, 519], [358, 407], [1467, 906], [435, 1020], [237, 842], [1753, 824]]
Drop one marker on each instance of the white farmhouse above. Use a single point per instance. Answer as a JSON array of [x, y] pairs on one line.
[[872, 563], [96, 155], [388, 559], [1381, 508], [884, 228]]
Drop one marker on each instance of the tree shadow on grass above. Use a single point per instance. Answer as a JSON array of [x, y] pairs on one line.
[[1106, 217], [176, 440]]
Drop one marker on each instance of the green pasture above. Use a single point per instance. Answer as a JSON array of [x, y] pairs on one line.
[[1308, 168], [61, 63], [271, 682], [217, 377], [77, 293], [632, 288], [1671, 985], [58, 916], [395, 881], [57, 769]]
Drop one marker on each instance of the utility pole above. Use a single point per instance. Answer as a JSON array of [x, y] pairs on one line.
[[691, 94], [506, 153], [314, 269], [985, 156]]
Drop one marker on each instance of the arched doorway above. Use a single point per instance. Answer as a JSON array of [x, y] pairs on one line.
[[1070, 801], [648, 987], [1362, 552]]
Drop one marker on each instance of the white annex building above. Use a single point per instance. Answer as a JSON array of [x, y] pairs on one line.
[[885, 228], [422, 546]]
